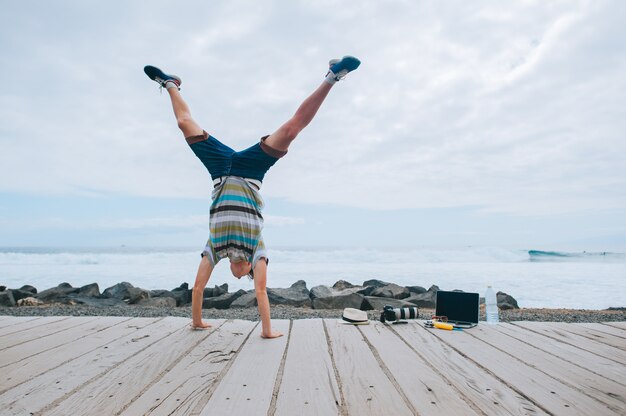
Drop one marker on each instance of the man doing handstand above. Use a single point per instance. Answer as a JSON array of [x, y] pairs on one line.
[[235, 219]]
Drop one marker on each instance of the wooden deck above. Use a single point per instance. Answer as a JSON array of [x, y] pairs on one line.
[[158, 366]]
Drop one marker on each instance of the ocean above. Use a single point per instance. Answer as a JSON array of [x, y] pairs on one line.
[[551, 279]]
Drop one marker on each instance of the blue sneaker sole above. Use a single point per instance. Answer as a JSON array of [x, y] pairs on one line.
[[153, 72], [349, 63]]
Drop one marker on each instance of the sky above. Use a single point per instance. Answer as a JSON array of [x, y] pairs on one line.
[[468, 123]]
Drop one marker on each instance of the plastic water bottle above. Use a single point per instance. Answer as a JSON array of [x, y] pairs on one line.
[[491, 303]]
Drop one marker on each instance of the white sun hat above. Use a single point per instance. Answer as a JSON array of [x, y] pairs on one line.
[[355, 316]]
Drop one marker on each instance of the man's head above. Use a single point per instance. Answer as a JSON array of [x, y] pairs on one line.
[[240, 267]]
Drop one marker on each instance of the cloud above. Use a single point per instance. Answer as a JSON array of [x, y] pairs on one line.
[[509, 107]]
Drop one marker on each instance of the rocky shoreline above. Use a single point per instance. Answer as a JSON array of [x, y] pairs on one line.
[[295, 302]]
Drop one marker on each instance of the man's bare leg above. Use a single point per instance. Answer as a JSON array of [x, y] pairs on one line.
[[181, 110], [197, 295], [338, 69], [282, 138], [183, 115]]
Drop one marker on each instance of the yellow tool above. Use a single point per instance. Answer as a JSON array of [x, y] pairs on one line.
[[441, 325]]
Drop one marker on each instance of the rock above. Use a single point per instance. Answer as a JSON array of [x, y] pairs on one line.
[[29, 301], [245, 301], [3, 288], [296, 295], [118, 291], [182, 297], [182, 294], [177, 296], [95, 302], [160, 293], [370, 285], [29, 288], [57, 294], [6, 298], [416, 289], [160, 302], [342, 284], [137, 294], [378, 303], [91, 290], [222, 301], [183, 286], [391, 291], [19, 294], [506, 301], [324, 297], [375, 283], [425, 300], [210, 292]]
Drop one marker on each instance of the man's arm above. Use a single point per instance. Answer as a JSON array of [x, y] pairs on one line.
[[260, 279], [202, 278]]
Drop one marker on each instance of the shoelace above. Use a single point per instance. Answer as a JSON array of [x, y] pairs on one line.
[[338, 76], [161, 83]]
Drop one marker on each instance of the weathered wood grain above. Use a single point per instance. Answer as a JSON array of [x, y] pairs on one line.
[[54, 326], [42, 391], [577, 357], [366, 388], [620, 325], [599, 348], [421, 384], [116, 388], [617, 332], [78, 328], [476, 384], [593, 334], [308, 385], [554, 396], [159, 366], [185, 386], [31, 328], [17, 373], [8, 321], [247, 387], [580, 379]]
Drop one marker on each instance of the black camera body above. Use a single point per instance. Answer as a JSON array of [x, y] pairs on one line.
[[396, 315]]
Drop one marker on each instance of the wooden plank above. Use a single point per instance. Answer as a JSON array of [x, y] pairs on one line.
[[48, 388], [603, 350], [574, 355], [584, 381], [50, 328], [85, 327], [185, 386], [248, 386], [19, 372], [603, 337], [428, 392], [137, 373], [7, 321], [30, 325], [364, 385], [620, 325], [474, 383], [309, 386], [593, 334], [552, 395], [617, 332]]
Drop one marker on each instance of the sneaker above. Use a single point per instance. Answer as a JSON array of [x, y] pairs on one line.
[[160, 77], [339, 68]]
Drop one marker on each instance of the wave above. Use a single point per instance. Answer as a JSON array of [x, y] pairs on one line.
[[299, 255], [540, 255]]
